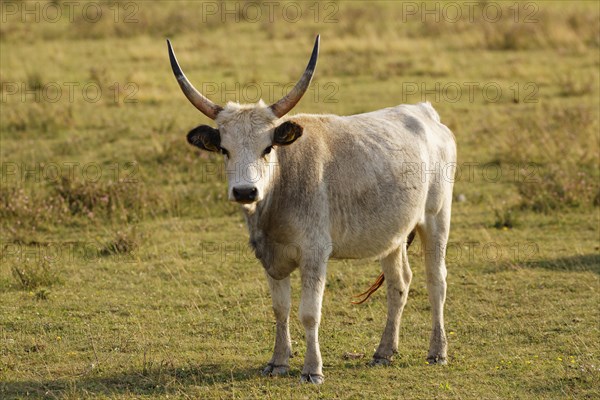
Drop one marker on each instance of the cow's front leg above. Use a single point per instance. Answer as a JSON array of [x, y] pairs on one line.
[[281, 296], [313, 285]]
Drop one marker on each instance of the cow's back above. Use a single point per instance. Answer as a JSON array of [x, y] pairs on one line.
[[369, 175]]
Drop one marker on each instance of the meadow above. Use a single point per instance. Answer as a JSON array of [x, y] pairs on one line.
[[126, 274]]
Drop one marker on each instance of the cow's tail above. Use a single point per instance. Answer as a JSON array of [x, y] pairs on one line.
[[381, 278]]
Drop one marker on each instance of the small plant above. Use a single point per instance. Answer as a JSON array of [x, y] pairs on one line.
[[570, 85], [29, 275], [99, 76], [123, 243], [506, 218], [42, 294], [35, 81]]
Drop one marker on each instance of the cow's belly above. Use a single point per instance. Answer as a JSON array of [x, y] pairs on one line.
[[376, 223], [364, 248]]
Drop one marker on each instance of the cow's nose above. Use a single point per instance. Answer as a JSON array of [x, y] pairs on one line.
[[245, 195]]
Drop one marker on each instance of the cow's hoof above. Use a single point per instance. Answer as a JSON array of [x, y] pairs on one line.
[[377, 361], [275, 370], [437, 360], [312, 378]]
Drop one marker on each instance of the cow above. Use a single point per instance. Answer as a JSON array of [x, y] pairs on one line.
[[314, 187]]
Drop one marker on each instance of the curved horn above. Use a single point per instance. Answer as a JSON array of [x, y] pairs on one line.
[[285, 104], [203, 104]]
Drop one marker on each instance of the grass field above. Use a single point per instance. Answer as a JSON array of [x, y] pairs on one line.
[[126, 274]]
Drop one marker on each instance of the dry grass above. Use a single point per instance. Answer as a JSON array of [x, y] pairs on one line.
[[560, 186], [156, 294], [555, 149]]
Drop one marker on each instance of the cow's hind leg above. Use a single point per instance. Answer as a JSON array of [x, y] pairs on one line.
[[434, 236], [281, 296], [397, 276]]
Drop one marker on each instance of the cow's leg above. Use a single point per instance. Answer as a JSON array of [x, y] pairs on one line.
[[281, 296], [313, 285], [434, 236], [397, 276]]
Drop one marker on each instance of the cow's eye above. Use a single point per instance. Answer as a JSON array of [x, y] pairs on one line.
[[267, 150], [224, 151]]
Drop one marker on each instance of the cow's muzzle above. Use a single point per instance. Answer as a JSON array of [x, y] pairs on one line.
[[245, 195]]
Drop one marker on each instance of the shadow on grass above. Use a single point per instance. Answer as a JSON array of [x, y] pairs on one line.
[[153, 382], [587, 262]]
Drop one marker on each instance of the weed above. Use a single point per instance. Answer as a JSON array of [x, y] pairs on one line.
[[30, 274], [554, 134], [506, 218], [124, 242], [42, 294], [122, 200], [40, 116], [34, 81], [558, 188], [571, 85], [27, 209], [510, 36]]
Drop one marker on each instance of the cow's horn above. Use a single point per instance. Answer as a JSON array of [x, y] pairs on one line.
[[203, 104], [285, 104]]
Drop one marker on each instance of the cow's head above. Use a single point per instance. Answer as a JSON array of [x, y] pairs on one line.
[[247, 135]]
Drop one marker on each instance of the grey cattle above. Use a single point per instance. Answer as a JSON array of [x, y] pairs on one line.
[[314, 187]]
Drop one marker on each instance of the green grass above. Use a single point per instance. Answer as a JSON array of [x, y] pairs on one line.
[[140, 284]]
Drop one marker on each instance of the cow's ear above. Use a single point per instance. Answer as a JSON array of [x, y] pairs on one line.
[[287, 133], [205, 137]]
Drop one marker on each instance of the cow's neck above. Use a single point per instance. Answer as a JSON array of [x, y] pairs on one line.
[[259, 217], [259, 220]]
